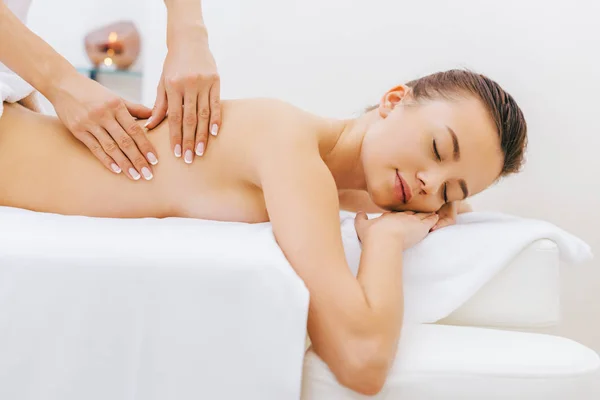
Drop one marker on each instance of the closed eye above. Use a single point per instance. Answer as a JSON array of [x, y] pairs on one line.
[[435, 151]]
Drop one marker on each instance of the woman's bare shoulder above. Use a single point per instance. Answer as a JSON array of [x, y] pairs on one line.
[[266, 128], [266, 117]]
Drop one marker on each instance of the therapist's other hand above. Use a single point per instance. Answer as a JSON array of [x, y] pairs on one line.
[[105, 123], [189, 91]]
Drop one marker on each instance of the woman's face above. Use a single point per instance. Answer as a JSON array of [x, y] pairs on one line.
[[418, 156]]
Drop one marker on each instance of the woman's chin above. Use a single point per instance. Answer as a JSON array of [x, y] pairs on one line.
[[383, 202]]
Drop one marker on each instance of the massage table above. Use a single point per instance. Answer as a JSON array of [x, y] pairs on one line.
[[149, 309]]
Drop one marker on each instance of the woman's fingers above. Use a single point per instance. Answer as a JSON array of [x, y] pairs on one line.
[[421, 215], [431, 219], [360, 217], [442, 223], [361, 220]]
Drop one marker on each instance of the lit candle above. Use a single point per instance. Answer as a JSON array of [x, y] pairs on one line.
[[109, 64]]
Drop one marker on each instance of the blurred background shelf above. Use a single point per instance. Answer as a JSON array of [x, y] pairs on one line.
[[125, 83], [89, 71]]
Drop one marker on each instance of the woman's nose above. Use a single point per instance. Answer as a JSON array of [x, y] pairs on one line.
[[429, 182]]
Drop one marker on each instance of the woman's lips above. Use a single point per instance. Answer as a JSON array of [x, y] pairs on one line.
[[402, 189]]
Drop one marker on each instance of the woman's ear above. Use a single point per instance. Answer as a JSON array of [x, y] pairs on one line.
[[392, 98]]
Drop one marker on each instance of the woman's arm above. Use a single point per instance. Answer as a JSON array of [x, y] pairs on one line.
[[354, 323]]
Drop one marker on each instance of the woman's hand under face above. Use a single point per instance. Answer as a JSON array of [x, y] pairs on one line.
[[409, 227], [449, 211]]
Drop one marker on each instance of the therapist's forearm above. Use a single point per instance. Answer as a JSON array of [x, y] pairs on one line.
[[29, 56], [184, 19]]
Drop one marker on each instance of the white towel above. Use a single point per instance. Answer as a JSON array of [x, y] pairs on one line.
[[12, 87], [450, 265]]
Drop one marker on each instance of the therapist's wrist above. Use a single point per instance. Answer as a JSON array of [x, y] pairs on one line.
[[56, 80], [186, 33]]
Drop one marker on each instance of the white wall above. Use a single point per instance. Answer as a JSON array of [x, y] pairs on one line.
[[334, 57]]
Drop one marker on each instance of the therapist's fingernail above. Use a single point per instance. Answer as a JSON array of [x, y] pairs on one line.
[[188, 156], [200, 149], [147, 174], [177, 150], [115, 168], [214, 129], [148, 122], [152, 158], [134, 174]]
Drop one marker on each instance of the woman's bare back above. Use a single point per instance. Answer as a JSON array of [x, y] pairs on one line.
[[44, 168]]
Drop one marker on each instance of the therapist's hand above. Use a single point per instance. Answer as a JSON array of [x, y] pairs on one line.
[[189, 91], [105, 124]]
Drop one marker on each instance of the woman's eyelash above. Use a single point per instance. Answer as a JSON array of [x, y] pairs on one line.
[[437, 156], [435, 151]]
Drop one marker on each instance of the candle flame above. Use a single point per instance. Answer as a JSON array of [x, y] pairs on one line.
[[112, 37], [110, 52], [108, 61]]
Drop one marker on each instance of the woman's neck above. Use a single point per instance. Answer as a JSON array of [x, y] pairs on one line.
[[344, 157]]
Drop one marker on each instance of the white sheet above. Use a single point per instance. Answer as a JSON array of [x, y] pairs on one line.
[[146, 309]]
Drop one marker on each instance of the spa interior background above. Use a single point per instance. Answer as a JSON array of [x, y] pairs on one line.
[[334, 57]]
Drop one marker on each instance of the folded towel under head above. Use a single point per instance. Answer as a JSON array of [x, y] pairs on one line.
[[451, 264]]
